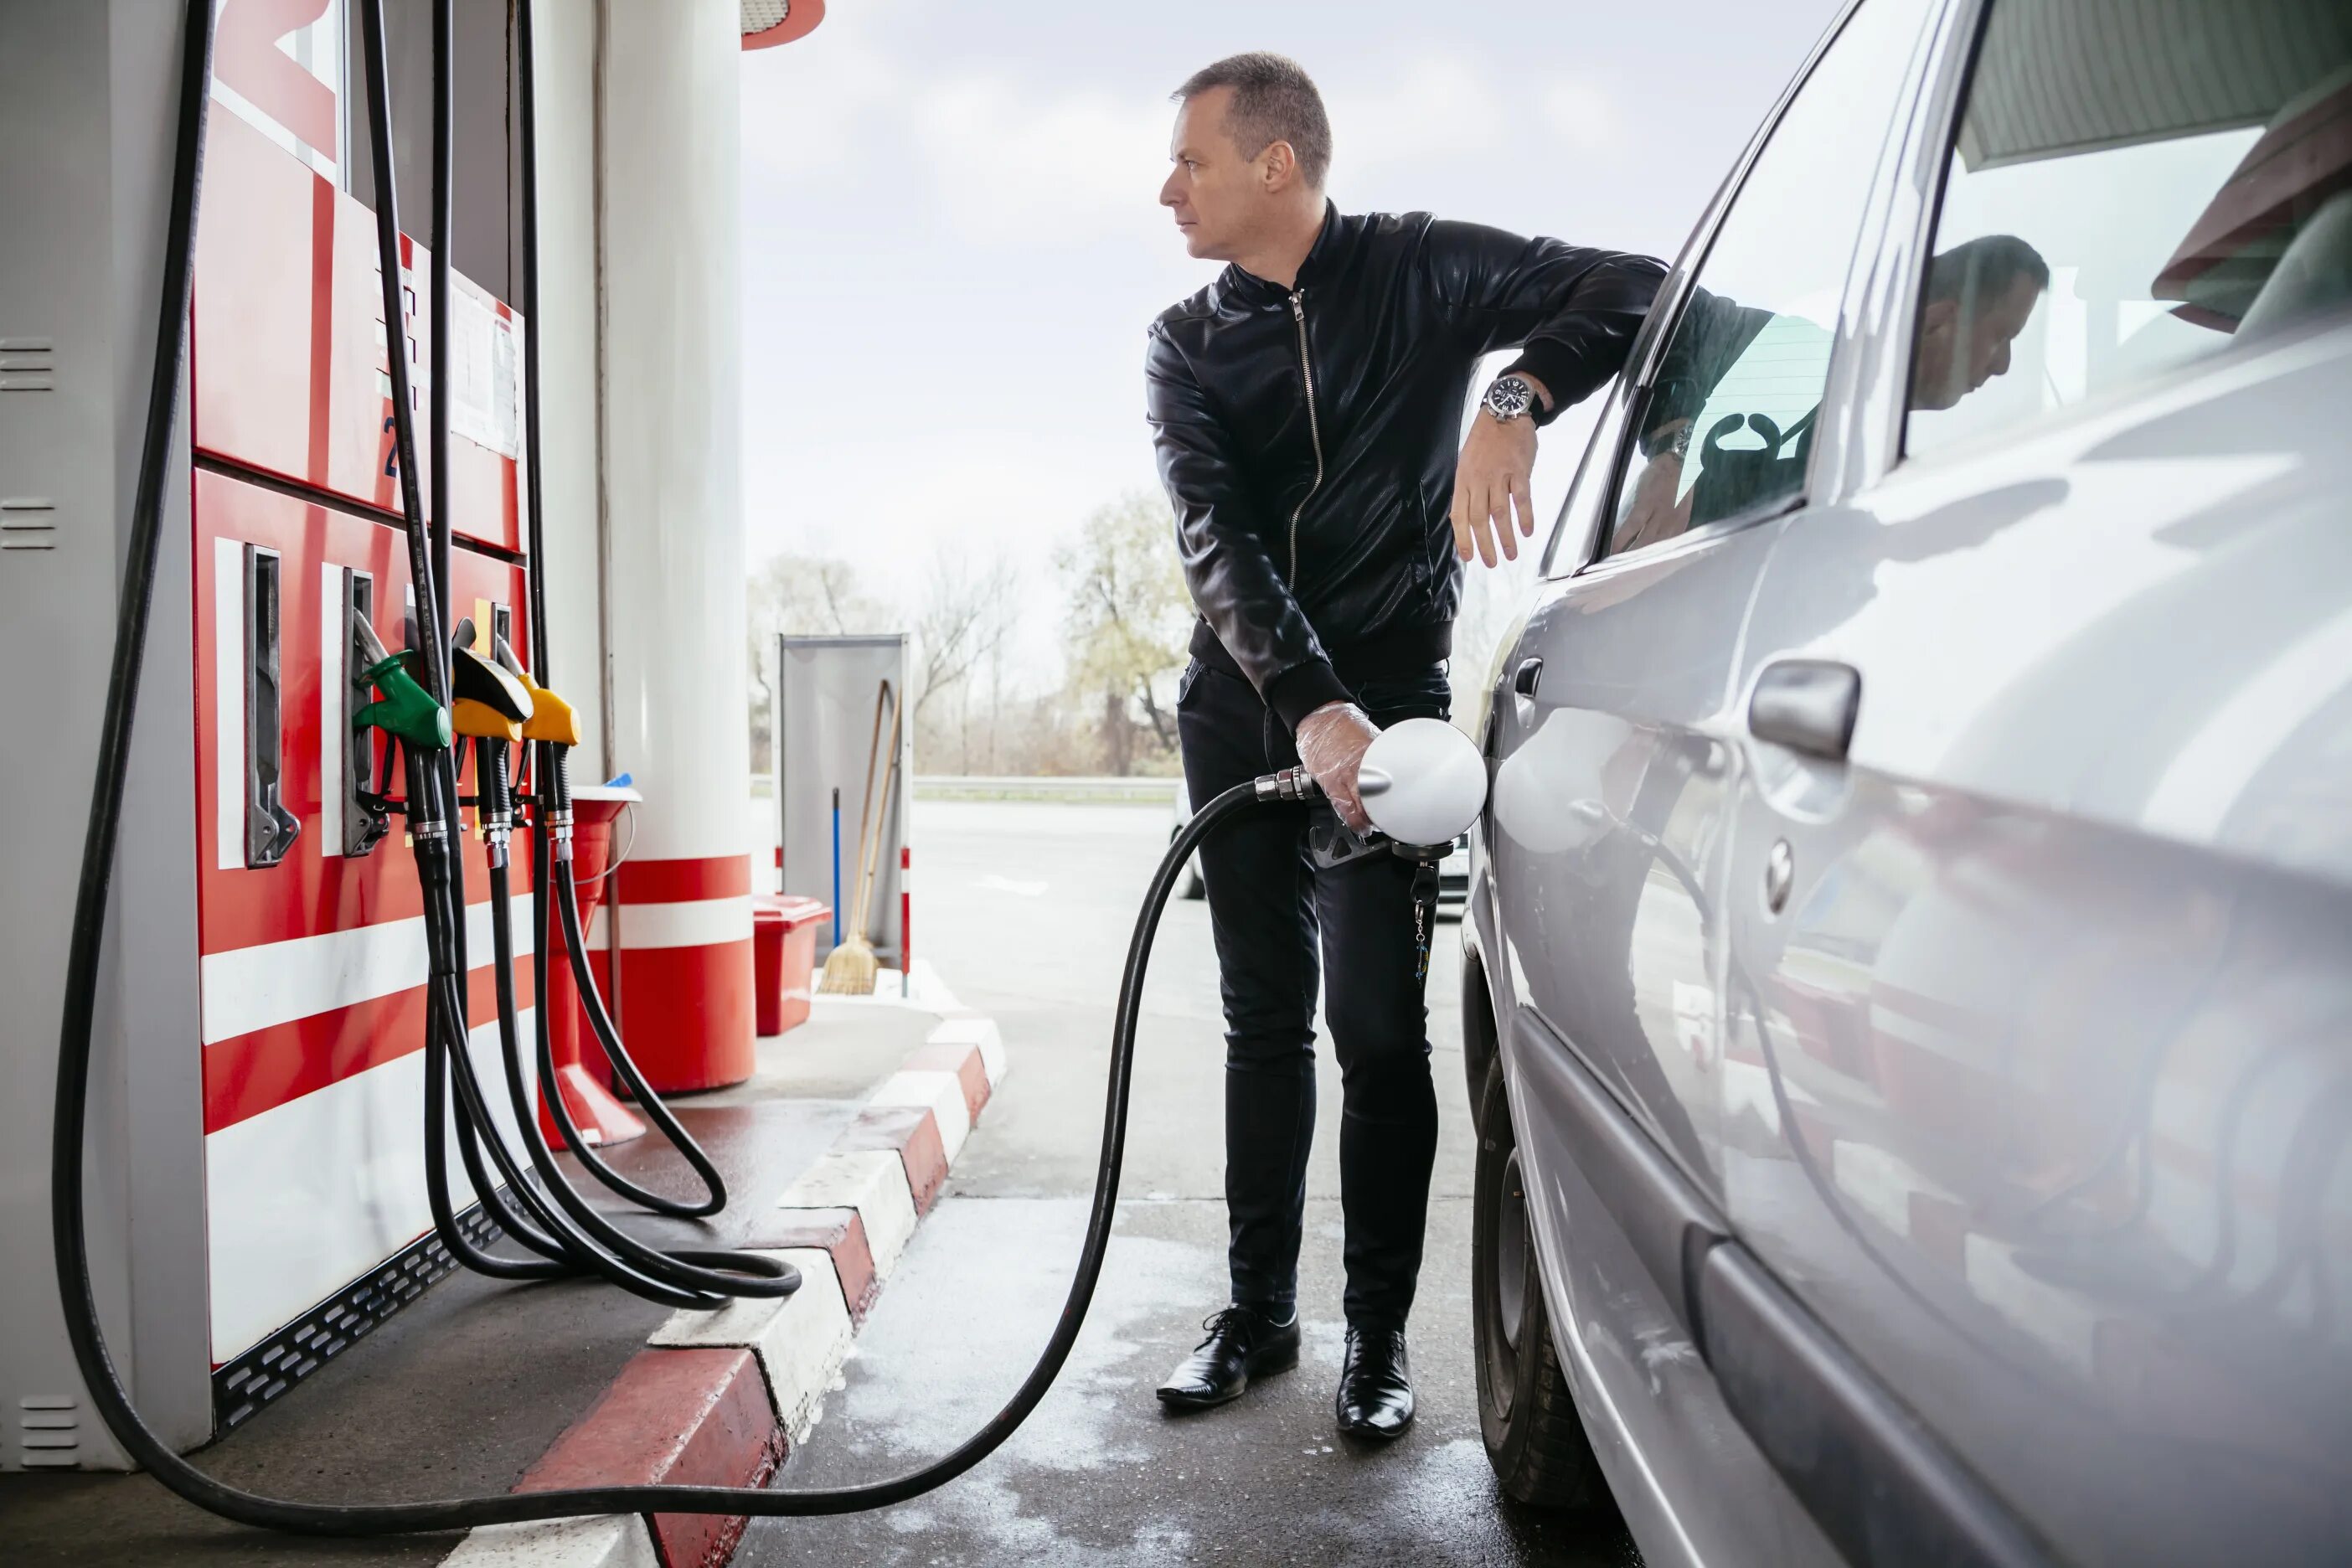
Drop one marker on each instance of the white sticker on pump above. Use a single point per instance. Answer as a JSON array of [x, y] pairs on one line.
[[481, 373]]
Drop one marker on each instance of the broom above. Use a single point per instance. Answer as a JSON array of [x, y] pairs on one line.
[[849, 968]]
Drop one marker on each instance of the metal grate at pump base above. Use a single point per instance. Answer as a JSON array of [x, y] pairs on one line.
[[266, 1372]]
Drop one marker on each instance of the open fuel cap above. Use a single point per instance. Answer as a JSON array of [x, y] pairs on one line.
[[1423, 782]]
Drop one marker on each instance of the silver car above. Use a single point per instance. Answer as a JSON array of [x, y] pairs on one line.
[[1908, 983]]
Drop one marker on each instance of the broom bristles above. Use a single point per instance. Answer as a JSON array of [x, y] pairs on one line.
[[849, 970]]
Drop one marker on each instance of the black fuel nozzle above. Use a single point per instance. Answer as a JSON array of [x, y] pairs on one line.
[[485, 699]]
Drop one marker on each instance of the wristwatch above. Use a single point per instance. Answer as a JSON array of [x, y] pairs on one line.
[[1511, 398]]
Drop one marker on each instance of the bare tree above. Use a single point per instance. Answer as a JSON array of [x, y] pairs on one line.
[[965, 616], [1128, 611], [814, 596], [802, 595]]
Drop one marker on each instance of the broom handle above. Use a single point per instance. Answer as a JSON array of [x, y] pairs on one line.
[[865, 812], [865, 805], [870, 873]]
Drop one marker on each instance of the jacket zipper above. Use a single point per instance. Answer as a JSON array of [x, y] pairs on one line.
[[1314, 428]]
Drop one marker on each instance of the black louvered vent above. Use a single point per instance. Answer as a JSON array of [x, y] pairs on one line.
[[264, 1374]]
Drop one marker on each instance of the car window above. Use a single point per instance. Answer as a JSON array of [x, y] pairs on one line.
[[1580, 512], [1726, 424], [2131, 188]]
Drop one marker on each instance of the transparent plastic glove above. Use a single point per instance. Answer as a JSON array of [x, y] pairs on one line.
[[1331, 745]]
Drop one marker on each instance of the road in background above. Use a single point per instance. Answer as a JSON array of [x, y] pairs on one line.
[[1027, 909]]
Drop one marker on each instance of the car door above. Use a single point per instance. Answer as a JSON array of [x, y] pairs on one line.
[[1614, 781], [1616, 771], [2040, 893]]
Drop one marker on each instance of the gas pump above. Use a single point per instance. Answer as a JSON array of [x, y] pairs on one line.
[[457, 683]]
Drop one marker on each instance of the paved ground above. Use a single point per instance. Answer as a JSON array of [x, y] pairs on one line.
[[1027, 909], [459, 1392]]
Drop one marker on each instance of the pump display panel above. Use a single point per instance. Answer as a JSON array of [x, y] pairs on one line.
[[289, 344]]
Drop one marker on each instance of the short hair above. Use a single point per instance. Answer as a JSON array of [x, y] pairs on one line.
[[1273, 100], [1985, 269]]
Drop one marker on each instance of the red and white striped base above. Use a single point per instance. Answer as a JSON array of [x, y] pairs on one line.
[[686, 995]]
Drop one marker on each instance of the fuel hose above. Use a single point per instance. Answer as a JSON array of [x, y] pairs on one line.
[[67, 1198], [549, 1223]]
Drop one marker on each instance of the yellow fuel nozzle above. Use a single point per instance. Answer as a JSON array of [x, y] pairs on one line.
[[479, 720], [552, 718]]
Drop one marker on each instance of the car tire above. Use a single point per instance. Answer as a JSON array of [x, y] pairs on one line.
[[1193, 886], [1526, 1410]]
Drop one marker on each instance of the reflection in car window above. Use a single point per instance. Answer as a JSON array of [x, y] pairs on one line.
[[1727, 424], [2132, 187]]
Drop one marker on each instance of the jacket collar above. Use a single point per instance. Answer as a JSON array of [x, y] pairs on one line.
[[1250, 292]]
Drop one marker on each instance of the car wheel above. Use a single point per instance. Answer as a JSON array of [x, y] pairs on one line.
[[1526, 1413], [1193, 886]]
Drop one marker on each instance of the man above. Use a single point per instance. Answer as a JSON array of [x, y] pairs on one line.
[[1304, 408], [1980, 295]]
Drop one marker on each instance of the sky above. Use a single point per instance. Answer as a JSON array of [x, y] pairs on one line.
[[953, 244]]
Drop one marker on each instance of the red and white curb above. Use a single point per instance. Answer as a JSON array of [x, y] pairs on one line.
[[718, 1398]]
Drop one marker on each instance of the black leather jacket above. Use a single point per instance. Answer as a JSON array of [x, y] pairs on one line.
[[1308, 439]]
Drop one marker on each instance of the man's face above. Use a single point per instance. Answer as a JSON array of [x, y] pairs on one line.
[[1217, 195], [1956, 358]]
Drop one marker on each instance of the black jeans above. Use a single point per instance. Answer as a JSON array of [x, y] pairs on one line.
[[1269, 904]]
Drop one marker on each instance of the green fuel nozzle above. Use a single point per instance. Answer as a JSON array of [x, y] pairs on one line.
[[403, 707]]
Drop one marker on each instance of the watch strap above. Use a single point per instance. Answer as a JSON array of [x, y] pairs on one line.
[[1547, 361]]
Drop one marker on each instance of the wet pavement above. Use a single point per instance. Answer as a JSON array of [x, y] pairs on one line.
[[1027, 909], [459, 1392]]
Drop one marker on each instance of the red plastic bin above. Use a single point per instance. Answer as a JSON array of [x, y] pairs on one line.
[[784, 957]]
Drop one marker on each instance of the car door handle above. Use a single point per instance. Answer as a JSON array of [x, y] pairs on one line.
[[1524, 679], [1807, 705]]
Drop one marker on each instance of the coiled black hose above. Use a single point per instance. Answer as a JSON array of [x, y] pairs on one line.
[[551, 881], [549, 1223], [68, 1221]]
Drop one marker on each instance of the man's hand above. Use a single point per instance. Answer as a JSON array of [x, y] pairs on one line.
[[1492, 480], [1656, 512], [1331, 745]]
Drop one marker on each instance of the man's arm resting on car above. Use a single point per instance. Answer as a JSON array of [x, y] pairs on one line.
[[1573, 311], [1493, 478]]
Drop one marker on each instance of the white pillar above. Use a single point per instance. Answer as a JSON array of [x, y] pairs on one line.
[[572, 468], [672, 432]]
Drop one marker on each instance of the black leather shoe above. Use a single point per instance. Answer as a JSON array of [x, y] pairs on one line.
[[1241, 1344], [1375, 1397]]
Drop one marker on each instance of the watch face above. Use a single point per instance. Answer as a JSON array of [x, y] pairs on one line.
[[1510, 397]]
